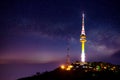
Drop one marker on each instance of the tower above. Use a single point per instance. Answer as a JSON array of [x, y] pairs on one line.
[[68, 55], [68, 65], [83, 40]]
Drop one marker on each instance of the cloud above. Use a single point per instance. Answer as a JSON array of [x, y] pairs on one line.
[[116, 54]]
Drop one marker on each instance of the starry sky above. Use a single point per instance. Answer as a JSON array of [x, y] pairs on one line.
[[38, 31]]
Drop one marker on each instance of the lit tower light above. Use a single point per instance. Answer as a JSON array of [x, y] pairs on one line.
[[83, 40]]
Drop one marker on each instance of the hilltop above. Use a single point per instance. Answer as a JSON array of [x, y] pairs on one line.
[[87, 71]]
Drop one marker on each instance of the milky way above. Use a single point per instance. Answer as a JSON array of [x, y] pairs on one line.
[[38, 30]]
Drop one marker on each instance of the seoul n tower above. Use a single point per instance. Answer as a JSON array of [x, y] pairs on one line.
[[83, 40]]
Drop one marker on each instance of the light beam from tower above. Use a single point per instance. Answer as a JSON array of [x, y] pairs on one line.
[[83, 40]]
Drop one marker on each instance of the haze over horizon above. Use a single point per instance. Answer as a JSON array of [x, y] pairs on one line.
[[37, 32]]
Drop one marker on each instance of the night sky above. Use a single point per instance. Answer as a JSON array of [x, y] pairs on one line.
[[34, 34]]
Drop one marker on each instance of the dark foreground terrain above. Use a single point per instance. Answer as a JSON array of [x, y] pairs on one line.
[[78, 73]]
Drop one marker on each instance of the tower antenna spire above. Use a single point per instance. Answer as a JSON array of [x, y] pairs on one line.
[[83, 26]]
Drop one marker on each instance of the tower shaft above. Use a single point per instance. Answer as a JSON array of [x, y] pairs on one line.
[[83, 52], [83, 47]]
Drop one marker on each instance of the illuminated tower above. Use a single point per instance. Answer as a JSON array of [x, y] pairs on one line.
[[83, 40]]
